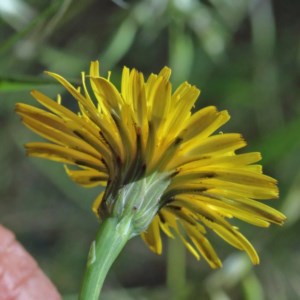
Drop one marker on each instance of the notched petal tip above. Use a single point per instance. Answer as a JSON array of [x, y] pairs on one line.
[[216, 264], [225, 116], [95, 69], [279, 218], [165, 72]]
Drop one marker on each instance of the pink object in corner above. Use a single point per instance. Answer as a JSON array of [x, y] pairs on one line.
[[20, 276]]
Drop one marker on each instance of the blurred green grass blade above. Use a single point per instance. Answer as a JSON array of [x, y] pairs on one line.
[[10, 42], [11, 84], [291, 205], [57, 17], [120, 43], [280, 143], [181, 55], [231, 12], [252, 287], [263, 28]]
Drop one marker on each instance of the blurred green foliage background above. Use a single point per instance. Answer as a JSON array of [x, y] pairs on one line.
[[245, 57]]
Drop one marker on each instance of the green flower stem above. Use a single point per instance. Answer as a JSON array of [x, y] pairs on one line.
[[110, 240]]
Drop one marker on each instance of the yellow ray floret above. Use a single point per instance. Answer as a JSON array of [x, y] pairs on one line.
[[158, 161]]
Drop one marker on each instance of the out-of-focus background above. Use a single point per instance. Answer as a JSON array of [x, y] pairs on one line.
[[245, 57]]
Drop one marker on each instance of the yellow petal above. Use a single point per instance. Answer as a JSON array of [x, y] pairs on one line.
[[165, 72], [62, 154], [213, 145], [152, 236], [87, 178], [107, 93], [172, 220], [182, 101], [86, 102], [165, 226], [42, 116], [105, 123], [97, 203], [94, 69], [203, 246], [225, 230], [59, 137], [236, 160], [236, 239], [194, 150], [255, 207], [203, 123]]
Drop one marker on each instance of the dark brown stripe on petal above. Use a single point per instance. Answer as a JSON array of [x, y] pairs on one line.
[[208, 218], [162, 218], [196, 191], [96, 178], [104, 139], [144, 166], [119, 161], [175, 207], [178, 140], [82, 163], [176, 172], [209, 175], [77, 133]]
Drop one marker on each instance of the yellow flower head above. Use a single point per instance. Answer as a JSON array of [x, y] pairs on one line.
[[162, 165]]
